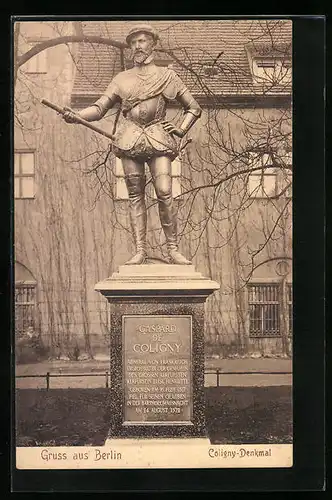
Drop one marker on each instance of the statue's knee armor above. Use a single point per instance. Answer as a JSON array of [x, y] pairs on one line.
[[135, 184], [164, 191]]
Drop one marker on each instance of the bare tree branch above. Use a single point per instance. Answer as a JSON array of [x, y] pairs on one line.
[[36, 49]]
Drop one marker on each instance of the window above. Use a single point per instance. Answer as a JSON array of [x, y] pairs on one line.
[[25, 308], [261, 183], [272, 70], [290, 307], [285, 182], [265, 184], [270, 63], [38, 63], [210, 70], [264, 310], [24, 174], [121, 192], [266, 304], [268, 182]]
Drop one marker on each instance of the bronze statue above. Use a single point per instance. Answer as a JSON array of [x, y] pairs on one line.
[[145, 136]]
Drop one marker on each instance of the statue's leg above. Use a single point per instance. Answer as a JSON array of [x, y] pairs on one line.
[[160, 168], [135, 181]]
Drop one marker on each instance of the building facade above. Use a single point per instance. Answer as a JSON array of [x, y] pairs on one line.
[[232, 183]]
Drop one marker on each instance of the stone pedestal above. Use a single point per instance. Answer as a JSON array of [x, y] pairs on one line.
[[157, 350]]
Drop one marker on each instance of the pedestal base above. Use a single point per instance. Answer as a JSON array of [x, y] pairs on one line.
[[157, 351]]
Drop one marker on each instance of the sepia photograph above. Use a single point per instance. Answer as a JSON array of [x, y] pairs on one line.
[[153, 243]]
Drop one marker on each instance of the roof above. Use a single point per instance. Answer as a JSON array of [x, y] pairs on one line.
[[213, 56]]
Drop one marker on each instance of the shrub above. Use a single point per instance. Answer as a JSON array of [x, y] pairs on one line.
[[30, 349], [74, 353]]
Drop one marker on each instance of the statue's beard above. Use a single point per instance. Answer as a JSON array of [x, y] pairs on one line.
[[140, 56]]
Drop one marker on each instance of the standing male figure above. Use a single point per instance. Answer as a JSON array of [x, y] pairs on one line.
[[144, 136]]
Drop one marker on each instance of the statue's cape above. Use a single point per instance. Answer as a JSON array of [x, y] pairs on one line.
[[132, 89]]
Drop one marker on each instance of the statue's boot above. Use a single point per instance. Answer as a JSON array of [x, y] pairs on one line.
[[138, 216], [168, 222], [138, 258], [175, 256]]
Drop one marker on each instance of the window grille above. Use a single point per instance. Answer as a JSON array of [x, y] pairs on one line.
[[290, 308], [25, 309], [24, 174], [264, 310]]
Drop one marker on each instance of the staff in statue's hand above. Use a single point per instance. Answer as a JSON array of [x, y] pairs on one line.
[[71, 117]]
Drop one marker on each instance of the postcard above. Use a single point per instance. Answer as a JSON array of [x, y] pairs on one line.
[[153, 243]]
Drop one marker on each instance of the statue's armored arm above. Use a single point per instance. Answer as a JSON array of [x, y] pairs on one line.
[[98, 109], [192, 111]]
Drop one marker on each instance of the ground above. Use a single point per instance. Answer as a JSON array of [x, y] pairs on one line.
[[78, 417], [252, 405]]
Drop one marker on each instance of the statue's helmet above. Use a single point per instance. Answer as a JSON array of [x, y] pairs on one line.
[[142, 28]]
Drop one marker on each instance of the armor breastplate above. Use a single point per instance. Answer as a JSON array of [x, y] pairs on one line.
[[150, 110]]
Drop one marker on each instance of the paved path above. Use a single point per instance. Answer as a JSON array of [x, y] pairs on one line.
[[251, 364], [248, 372]]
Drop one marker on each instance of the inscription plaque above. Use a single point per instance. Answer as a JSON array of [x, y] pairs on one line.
[[157, 370]]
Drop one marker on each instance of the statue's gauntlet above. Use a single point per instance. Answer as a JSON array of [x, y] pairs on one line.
[[189, 119], [192, 112]]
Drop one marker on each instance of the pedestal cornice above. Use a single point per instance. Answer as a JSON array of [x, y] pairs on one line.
[[156, 279]]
